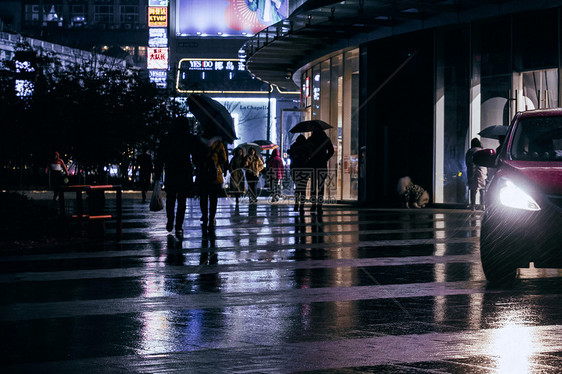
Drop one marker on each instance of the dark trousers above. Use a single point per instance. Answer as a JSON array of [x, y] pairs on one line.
[[173, 197], [144, 184], [208, 201], [252, 186], [317, 187], [301, 177]]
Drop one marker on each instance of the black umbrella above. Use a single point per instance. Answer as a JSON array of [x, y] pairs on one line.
[[213, 117], [307, 126], [494, 132], [263, 142]]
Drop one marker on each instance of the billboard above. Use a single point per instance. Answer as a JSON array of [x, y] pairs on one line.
[[158, 77], [158, 37], [157, 58], [228, 17], [157, 16], [213, 75], [157, 51]]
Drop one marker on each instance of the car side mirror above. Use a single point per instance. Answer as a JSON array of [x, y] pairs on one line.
[[485, 157]]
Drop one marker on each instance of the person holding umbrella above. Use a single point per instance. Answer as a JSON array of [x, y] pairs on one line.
[[299, 153], [217, 127], [210, 162], [321, 150]]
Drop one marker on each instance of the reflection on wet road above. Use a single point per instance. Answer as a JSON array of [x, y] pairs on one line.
[[355, 290]]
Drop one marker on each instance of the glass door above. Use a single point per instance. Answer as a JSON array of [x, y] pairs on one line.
[[537, 89]]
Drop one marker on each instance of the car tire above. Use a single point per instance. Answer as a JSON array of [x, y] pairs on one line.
[[498, 262]]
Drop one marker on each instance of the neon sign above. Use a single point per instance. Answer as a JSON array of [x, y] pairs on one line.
[[214, 75], [157, 58], [158, 37], [157, 16]]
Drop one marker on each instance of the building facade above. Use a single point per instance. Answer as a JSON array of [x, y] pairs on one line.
[[116, 27], [407, 86], [184, 46]]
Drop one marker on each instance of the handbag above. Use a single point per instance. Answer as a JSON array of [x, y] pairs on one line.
[[156, 203]]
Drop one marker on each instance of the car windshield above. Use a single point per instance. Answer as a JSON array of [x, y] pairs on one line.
[[538, 139]]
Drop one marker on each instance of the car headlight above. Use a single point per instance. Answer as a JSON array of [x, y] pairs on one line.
[[513, 197]]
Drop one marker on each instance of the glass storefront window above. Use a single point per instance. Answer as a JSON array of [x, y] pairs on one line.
[[336, 118], [350, 167], [330, 92]]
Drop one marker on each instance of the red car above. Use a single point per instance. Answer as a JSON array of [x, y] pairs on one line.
[[523, 218]]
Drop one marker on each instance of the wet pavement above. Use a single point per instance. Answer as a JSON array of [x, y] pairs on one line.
[[355, 291]]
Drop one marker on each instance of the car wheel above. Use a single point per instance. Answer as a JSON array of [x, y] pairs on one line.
[[498, 262]]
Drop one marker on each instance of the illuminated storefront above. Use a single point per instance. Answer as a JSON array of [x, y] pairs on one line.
[[406, 93], [330, 92], [255, 105]]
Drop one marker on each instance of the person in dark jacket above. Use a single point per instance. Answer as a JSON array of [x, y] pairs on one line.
[[476, 175], [174, 157], [210, 162], [276, 171], [299, 153], [321, 150], [145, 168], [236, 166]]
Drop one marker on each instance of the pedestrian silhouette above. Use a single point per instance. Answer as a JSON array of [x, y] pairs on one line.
[[57, 172], [275, 173], [476, 175], [299, 152], [174, 158], [145, 168], [238, 163], [253, 169], [321, 150], [210, 163]]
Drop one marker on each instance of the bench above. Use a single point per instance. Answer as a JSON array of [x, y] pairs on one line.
[[96, 211]]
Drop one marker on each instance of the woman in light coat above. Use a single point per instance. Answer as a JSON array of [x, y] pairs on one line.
[[253, 169]]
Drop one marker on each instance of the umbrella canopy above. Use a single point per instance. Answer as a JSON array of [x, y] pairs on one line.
[[307, 126], [213, 117], [494, 132], [263, 142], [246, 147], [269, 147], [266, 144]]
